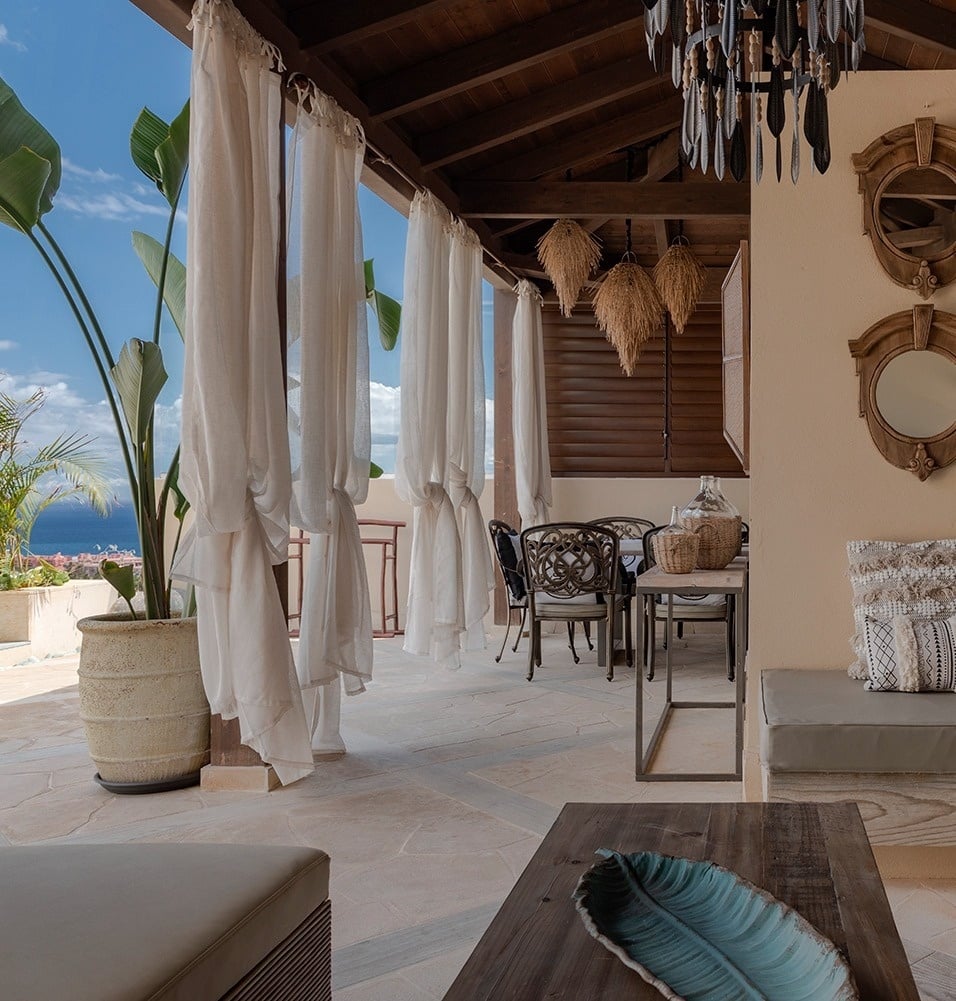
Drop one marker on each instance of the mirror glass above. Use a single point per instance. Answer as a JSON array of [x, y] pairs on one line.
[[917, 213], [916, 394]]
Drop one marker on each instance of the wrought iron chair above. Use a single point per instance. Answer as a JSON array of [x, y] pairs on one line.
[[630, 533], [687, 608], [568, 567], [506, 547]]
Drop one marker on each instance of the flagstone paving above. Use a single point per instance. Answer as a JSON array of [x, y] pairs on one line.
[[451, 780]]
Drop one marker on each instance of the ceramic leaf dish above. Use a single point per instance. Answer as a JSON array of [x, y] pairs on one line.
[[698, 932]]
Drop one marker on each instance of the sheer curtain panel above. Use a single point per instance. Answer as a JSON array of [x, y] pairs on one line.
[[530, 409], [329, 405], [441, 446], [235, 450]]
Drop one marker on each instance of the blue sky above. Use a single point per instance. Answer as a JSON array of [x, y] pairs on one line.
[[85, 71]]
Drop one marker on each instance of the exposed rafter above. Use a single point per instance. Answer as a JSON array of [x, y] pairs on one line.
[[917, 22], [506, 52], [614, 199], [580, 147], [324, 26], [468, 136]]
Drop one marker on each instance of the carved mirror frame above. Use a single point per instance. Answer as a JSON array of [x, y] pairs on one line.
[[923, 329], [922, 144]]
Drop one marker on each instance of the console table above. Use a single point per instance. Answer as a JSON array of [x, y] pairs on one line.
[[813, 856], [731, 581]]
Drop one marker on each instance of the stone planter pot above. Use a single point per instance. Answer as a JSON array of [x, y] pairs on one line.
[[142, 702]]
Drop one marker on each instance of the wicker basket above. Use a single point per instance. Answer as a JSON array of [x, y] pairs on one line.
[[676, 552], [719, 540]]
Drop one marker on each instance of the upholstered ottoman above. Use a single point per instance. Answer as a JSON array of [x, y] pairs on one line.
[[824, 737], [164, 923]]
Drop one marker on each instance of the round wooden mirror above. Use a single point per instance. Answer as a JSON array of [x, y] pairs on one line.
[[907, 369], [908, 183]]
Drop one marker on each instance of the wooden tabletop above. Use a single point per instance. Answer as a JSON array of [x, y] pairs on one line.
[[730, 579], [813, 856]]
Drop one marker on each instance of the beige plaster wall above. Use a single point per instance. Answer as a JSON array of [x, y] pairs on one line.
[[817, 480]]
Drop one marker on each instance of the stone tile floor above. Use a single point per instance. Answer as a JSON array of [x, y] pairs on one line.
[[451, 781]]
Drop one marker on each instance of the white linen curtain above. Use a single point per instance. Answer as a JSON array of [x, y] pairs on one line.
[[529, 409], [235, 452], [329, 406], [440, 455]]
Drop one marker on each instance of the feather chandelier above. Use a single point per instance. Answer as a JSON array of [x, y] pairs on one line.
[[772, 51], [568, 253]]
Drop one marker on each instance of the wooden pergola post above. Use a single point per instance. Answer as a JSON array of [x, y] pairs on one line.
[[506, 498]]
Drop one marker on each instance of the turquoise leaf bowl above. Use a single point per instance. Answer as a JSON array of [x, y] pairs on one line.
[[699, 932]]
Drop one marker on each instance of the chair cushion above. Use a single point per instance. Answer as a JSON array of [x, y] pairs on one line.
[[508, 548], [823, 721], [570, 608], [160, 922]]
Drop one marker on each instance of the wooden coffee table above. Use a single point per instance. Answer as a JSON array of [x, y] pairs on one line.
[[813, 856]]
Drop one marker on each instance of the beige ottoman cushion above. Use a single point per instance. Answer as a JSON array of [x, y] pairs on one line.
[[823, 721], [164, 922]]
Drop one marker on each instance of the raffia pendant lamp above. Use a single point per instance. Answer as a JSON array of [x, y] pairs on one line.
[[680, 278], [568, 253], [628, 307]]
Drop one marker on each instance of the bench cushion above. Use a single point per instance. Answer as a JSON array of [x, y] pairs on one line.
[[823, 721], [162, 922]]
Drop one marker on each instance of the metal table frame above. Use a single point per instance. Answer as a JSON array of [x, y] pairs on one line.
[[731, 582]]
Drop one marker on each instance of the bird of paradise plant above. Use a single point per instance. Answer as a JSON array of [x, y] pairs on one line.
[[132, 379]]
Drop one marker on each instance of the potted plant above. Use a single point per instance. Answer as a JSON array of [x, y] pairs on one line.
[[141, 695]]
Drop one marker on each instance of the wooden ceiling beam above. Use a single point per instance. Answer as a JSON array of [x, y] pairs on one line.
[[572, 97], [631, 129], [506, 52], [915, 21], [324, 26], [614, 199]]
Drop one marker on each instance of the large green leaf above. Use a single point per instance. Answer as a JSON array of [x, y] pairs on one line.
[[375, 471], [19, 128], [139, 376], [150, 252], [149, 131], [388, 312], [161, 150], [121, 577], [172, 155], [23, 178]]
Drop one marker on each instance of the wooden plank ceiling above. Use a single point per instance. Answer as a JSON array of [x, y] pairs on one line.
[[482, 100]]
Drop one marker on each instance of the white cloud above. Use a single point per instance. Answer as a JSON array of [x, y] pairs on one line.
[[99, 175], [5, 39], [65, 411], [112, 206], [8, 345]]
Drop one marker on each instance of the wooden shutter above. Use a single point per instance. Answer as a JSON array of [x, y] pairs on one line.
[[697, 443], [599, 422], [656, 423]]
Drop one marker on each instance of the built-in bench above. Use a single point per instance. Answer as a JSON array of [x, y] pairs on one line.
[[824, 737], [165, 922]]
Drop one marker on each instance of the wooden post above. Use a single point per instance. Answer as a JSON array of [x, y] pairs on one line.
[[506, 499]]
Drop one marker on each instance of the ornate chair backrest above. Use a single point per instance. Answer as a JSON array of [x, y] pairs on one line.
[[626, 528], [568, 559], [503, 540]]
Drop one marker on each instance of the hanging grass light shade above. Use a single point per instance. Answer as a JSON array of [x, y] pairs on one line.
[[568, 253], [680, 279], [627, 306], [628, 310]]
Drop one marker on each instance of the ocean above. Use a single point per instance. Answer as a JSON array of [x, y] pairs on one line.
[[71, 529]]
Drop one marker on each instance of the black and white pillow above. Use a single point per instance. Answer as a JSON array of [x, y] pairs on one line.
[[910, 655]]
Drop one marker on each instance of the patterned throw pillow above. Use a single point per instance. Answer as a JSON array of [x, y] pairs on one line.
[[916, 580], [910, 656]]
